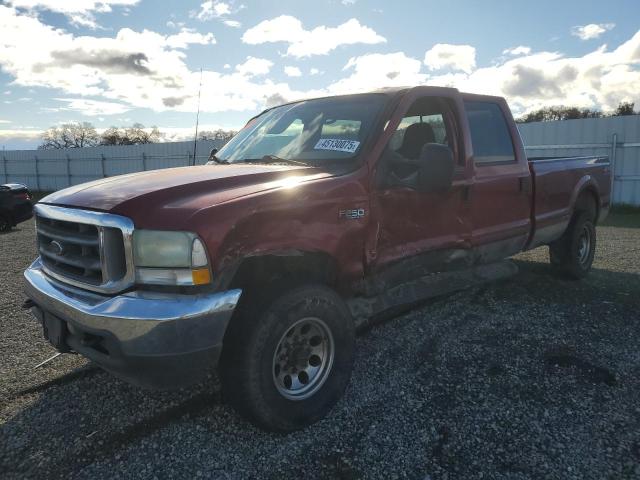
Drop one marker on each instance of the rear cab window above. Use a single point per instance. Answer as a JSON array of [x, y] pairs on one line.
[[490, 135]]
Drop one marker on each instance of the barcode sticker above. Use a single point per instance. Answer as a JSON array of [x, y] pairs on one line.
[[337, 145]]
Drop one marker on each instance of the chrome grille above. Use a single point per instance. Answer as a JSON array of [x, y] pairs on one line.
[[88, 249], [71, 249]]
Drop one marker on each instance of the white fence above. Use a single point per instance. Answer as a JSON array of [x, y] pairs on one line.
[[49, 170], [616, 137]]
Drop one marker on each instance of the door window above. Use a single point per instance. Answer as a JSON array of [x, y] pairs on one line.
[[435, 122], [490, 134], [428, 120]]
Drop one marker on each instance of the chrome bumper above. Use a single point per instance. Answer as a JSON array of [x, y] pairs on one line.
[[145, 337]]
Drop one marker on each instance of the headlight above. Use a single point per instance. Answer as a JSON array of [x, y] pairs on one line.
[[170, 258]]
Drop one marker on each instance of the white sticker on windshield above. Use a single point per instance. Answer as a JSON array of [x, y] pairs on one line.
[[337, 145]]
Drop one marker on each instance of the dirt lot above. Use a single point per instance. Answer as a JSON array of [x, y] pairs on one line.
[[534, 377]]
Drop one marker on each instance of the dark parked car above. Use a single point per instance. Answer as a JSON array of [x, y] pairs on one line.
[[15, 205]]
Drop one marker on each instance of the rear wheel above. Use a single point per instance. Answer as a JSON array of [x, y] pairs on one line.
[[573, 253], [285, 366]]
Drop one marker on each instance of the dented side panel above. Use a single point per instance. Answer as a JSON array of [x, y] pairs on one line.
[[293, 220]]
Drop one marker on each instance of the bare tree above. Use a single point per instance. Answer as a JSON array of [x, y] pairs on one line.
[[70, 135], [135, 135], [219, 134]]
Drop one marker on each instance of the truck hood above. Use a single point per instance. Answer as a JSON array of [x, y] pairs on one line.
[[134, 193]]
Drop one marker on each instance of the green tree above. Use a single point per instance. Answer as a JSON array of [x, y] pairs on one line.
[[136, 134], [624, 108]]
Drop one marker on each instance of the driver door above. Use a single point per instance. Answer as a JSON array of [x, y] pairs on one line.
[[416, 232]]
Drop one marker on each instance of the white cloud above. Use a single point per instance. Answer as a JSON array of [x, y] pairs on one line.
[[292, 71], [172, 24], [232, 23], [5, 121], [378, 70], [93, 108], [79, 12], [254, 66], [189, 36], [20, 134], [212, 9], [600, 79], [304, 43], [591, 31], [348, 2], [145, 69], [455, 57], [515, 51], [137, 69]]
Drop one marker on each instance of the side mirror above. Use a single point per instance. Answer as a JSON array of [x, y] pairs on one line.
[[436, 168]]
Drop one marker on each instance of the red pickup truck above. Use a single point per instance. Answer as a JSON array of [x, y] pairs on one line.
[[317, 214]]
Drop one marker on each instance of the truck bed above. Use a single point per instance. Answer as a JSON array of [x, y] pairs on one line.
[[557, 181]]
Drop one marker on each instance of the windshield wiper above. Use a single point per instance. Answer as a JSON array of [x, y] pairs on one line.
[[275, 159]]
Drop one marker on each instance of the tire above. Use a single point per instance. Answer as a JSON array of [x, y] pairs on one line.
[[305, 331], [573, 253], [5, 223]]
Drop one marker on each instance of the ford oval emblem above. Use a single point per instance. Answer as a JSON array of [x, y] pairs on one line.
[[56, 247]]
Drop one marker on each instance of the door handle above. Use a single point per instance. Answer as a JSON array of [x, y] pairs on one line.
[[524, 185], [466, 193]]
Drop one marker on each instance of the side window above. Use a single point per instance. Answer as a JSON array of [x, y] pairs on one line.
[[490, 134], [428, 120], [435, 122]]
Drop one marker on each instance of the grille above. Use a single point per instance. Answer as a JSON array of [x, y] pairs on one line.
[[71, 249], [86, 249]]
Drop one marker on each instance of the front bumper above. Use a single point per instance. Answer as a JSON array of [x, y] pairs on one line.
[[157, 340]]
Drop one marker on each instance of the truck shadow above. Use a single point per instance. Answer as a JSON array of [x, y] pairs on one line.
[[97, 414], [87, 417]]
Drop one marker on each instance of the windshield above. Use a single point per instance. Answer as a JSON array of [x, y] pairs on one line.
[[312, 131]]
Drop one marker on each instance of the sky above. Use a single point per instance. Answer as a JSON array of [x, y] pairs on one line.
[[119, 62]]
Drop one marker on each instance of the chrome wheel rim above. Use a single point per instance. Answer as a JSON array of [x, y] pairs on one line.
[[584, 245], [303, 358]]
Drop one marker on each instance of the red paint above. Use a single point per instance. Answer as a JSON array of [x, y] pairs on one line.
[[248, 210]]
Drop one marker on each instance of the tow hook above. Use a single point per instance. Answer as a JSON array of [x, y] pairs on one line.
[[28, 304]]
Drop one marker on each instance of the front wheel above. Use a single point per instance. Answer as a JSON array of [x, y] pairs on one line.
[[285, 367], [573, 253]]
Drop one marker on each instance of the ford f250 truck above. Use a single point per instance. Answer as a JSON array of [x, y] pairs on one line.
[[318, 213]]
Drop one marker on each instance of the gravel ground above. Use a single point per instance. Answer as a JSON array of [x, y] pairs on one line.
[[533, 377]]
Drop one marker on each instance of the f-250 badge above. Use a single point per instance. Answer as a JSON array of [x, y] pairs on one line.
[[353, 214]]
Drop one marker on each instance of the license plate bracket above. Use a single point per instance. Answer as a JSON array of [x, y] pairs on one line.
[[55, 332]]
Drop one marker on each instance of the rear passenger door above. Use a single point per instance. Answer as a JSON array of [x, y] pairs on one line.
[[500, 196]]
